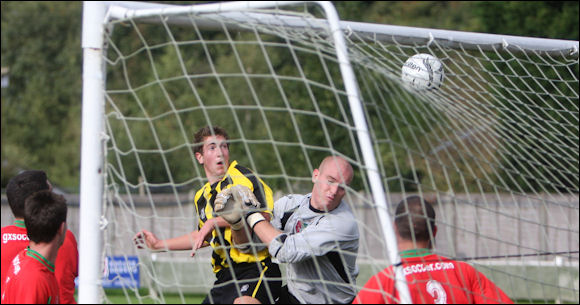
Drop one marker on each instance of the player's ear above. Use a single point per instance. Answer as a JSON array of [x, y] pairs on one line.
[[62, 228], [434, 231], [199, 157], [315, 174], [61, 233]]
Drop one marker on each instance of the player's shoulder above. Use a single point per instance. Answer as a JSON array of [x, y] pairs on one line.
[[291, 201], [343, 213], [70, 236], [245, 171], [199, 192], [288, 203], [11, 229], [69, 244], [343, 222]]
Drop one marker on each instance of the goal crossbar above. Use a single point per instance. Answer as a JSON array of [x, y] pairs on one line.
[[365, 31]]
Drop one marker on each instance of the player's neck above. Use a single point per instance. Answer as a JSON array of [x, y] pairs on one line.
[[47, 250], [213, 179], [406, 245]]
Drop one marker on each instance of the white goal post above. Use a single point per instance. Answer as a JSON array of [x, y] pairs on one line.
[[496, 146]]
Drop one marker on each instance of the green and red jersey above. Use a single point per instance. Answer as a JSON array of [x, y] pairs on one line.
[[15, 239], [432, 279], [30, 280]]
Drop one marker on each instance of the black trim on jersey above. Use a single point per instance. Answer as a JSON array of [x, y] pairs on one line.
[[226, 182], [226, 245], [213, 194], [286, 216], [258, 189], [336, 261], [201, 203], [281, 238], [314, 210]]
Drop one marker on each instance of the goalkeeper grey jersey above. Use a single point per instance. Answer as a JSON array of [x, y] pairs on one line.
[[319, 247]]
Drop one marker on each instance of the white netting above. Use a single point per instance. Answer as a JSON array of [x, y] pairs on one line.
[[496, 145]]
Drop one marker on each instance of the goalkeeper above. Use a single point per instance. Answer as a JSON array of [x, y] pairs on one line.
[[317, 235], [253, 269], [432, 279]]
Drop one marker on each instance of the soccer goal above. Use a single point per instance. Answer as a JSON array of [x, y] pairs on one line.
[[494, 144]]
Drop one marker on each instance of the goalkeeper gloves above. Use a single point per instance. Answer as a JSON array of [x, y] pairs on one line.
[[238, 202]]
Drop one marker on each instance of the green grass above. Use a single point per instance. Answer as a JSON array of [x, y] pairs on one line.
[[118, 296]]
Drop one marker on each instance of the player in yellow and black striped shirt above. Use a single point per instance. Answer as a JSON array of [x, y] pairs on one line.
[[254, 273]]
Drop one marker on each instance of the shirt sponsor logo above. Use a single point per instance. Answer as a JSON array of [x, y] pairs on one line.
[[428, 267], [6, 237]]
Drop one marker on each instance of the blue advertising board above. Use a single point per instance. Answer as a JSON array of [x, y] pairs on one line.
[[121, 271]]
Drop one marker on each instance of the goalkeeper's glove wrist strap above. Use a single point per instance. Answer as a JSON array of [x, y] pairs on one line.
[[237, 226], [254, 218]]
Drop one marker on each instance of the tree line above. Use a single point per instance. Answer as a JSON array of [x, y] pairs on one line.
[[41, 47]]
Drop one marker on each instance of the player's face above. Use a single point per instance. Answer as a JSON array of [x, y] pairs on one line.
[[215, 157], [329, 185]]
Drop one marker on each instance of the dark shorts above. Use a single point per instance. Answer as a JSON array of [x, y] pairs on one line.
[[263, 285]]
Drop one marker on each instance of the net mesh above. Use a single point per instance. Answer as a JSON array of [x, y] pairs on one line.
[[496, 146]]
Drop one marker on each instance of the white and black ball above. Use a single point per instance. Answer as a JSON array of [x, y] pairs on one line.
[[423, 72]]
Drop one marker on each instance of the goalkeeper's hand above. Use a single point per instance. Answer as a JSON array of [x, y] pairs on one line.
[[236, 203]]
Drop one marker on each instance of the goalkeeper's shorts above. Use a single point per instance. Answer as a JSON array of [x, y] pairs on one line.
[[248, 279]]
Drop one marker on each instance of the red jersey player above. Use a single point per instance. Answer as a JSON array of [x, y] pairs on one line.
[[432, 279], [30, 278], [15, 239]]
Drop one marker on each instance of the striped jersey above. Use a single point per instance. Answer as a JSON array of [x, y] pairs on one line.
[[432, 279], [221, 242], [30, 280], [320, 249]]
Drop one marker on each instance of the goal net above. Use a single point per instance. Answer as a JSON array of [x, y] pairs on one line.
[[495, 146]]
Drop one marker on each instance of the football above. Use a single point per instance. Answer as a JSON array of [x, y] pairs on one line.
[[423, 71]]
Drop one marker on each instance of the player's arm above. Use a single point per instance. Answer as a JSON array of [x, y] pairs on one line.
[[184, 242], [314, 240], [266, 232], [238, 236]]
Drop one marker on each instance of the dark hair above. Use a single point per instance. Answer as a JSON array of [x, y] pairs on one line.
[[44, 212], [413, 217], [23, 185], [204, 132]]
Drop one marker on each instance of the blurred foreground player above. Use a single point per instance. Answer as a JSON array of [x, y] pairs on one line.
[[30, 278], [432, 279], [15, 239]]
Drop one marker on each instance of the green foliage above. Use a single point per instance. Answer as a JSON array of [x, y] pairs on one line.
[[41, 109], [547, 19]]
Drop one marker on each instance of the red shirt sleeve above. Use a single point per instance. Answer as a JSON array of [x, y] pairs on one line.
[[67, 268]]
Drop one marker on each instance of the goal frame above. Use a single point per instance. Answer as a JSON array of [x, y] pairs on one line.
[[92, 155], [95, 16]]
